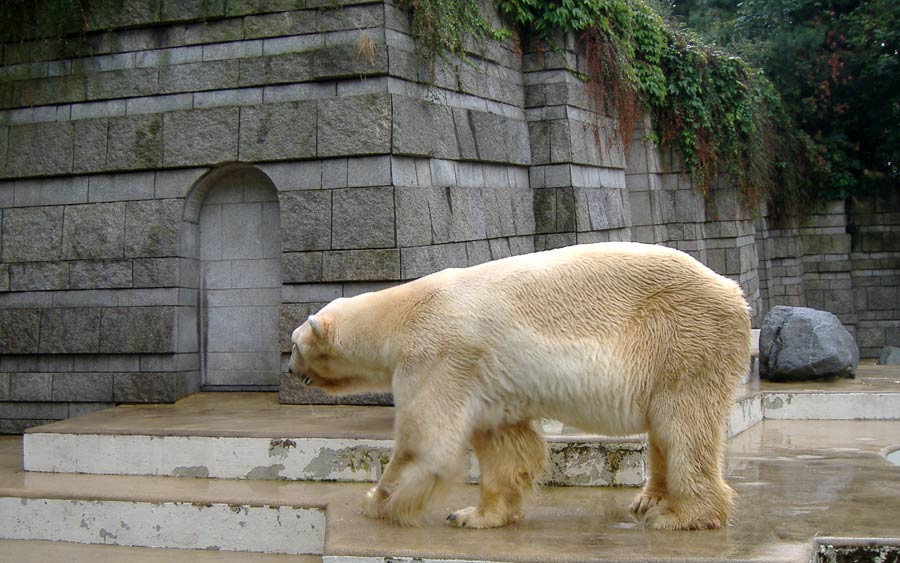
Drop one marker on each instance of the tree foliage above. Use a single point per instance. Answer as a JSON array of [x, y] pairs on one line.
[[837, 66], [722, 115]]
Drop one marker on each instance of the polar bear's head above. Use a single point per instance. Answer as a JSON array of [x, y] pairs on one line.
[[325, 357]]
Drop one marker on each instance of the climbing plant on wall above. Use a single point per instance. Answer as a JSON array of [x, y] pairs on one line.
[[723, 116]]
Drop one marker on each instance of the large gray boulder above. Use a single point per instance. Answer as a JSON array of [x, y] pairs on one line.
[[798, 343]]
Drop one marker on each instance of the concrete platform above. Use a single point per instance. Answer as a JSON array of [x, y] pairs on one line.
[[811, 490], [798, 482]]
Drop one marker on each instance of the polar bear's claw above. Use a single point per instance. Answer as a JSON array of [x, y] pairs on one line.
[[473, 517]]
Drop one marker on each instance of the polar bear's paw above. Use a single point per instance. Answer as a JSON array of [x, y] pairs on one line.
[[474, 517], [645, 501], [373, 503], [662, 517]]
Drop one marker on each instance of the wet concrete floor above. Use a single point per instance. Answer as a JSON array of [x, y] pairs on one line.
[[796, 480]]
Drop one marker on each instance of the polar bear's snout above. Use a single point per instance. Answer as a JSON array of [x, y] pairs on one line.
[[297, 366]]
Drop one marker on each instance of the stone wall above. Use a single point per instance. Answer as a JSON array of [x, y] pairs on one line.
[[142, 167]]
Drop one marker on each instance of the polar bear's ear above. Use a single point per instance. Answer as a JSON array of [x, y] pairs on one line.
[[317, 326]]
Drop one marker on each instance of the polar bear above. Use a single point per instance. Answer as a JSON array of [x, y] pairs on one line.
[[614, 338]]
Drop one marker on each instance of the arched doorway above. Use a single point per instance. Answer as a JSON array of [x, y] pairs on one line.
[[239, 236]]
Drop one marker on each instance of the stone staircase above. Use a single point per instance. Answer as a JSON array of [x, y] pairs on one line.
[[253, 479]]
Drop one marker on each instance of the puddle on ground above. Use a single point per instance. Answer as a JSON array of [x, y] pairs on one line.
[[894, 457]]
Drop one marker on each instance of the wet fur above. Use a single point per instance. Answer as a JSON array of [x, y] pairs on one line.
[[615, 338]]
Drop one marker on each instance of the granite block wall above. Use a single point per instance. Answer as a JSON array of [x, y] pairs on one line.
[[186, 182]]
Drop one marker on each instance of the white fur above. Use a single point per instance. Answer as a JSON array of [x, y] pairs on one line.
[[615, 338]]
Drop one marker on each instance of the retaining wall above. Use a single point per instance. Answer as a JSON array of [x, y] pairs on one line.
[[143, 161]]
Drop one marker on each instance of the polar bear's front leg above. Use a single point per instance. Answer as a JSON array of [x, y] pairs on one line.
[[427, 457], [512, 458]]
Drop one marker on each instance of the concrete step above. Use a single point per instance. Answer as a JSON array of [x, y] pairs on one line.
[[252, 436], [24, 551], [153, 512]]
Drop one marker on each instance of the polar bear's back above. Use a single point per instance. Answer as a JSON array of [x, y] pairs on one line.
[[646, 308], [599, 287]]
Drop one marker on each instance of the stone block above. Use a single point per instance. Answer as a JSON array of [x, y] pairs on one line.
[[125, 13], [51, 191], [30, 386], [137, 330], [38, 276], [70, 330], [641, 212], [4, 278], [344, 61], [492, 136], [363, 218], [20, 330], [361, 265], [152, 228], [207, 136], [356, 125], [83, 387], [423, 260], [40, 412], [413, 216], [164, 387], [94, 231], [158, 272], [334, 173], [119, 187], [199, 76], [215, 31], [545, 210], [288, 68], [565, 210], [122, 84], [4, 386], [135, 142], [560, 141], [498, 211], [443, 173], [881, 298], [369, 171], [350, 17], [465, 137], [100, 274], [181, 10], [288, 176], [479, 252], [422, 128], [40, 149], [305, 220], [4, 143], [278, 131], [32, 234], [539, 135], [599, 209], [301, 267], [296, 22]]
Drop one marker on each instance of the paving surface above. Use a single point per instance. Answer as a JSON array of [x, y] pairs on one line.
[[796, 480]]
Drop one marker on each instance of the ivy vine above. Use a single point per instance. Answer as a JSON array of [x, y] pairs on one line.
[[723, 116]]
